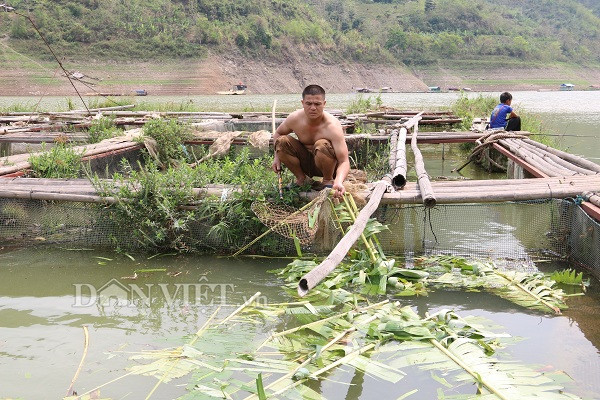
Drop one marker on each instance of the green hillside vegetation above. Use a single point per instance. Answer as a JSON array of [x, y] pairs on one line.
[[407, 31]]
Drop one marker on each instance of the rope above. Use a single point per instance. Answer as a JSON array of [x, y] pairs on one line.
[[486, 141]]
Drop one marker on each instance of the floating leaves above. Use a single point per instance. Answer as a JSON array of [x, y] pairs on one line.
[[569, 277], [529, 290]]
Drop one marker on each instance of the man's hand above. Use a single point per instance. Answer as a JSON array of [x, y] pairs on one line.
[[339, 190], [276, 166]]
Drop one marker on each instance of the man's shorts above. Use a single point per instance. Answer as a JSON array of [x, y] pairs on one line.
[[292, 146]]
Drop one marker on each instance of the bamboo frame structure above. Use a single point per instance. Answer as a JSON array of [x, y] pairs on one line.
[[552, 158], [424, 184], [580, 161], [399, 169], [535, 160]]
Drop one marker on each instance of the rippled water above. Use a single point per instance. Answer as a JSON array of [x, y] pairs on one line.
[[46, 295]]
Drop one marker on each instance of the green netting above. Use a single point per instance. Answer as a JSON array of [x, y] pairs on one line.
[[519, 231]]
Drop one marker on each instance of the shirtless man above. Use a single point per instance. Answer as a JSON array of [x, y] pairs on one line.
[[320, 149]]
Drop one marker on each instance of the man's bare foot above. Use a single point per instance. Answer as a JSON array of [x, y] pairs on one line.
[[306, 181], [322, 185]]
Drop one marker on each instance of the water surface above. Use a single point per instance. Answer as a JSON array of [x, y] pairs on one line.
[[46, 295]]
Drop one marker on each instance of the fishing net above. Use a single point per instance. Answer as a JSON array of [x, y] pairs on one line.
[[551, 228], [289, 222], [314, 219]]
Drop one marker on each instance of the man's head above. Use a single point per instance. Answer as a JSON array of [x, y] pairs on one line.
[[313, 90], [505, 97], [313, 101]]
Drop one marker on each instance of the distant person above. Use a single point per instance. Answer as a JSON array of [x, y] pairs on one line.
[[502, 110], [320, 149]]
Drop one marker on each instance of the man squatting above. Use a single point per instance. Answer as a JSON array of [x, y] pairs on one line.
[[320, 149]]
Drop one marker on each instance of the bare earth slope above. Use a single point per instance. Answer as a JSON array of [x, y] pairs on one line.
[[21, 76]]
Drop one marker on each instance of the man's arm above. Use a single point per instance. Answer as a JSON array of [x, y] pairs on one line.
[[338, 142]]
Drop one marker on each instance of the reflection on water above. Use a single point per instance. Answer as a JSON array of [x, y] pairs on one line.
[[45, 298]]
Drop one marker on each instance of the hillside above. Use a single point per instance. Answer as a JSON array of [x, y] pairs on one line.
[[417, 42]]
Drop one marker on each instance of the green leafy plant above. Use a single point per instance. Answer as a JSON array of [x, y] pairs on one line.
[[103, 128], [170, 136], [568, 277], [468, 108], [361, 105], [150, 200], [61, 161], [160, 207], [335, 328]]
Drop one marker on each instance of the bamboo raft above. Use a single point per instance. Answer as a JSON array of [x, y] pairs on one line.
[[22, 122], [539, 160], [20, 162], [446, 192]]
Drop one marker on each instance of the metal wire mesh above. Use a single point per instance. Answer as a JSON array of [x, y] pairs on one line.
[[519, 231]]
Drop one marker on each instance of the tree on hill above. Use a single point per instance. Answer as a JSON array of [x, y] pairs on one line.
[[403, 31]]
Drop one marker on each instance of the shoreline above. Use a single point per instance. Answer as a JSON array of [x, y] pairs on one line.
[[219, 72]]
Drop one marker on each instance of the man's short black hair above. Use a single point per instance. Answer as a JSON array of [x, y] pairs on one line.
[[504, 97], [313, 90]]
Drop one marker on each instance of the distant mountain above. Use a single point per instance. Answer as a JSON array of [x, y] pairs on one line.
[[414, 32]]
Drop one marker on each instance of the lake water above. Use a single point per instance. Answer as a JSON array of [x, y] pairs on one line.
[[46, 295], [45, 292]]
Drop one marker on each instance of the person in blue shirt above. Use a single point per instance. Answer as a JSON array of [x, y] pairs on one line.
[[498, 118]]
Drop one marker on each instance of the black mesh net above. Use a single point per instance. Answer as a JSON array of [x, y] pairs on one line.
[[520, 231]]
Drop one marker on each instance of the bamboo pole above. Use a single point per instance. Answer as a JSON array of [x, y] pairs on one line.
[[477, 196], [592, 198], [536, 161], [511, 182], [317, 274], [554, 162], [582, 162], [448, 195], [552, 158], [400, 167], [497, 191], [413, 121], [393, 147], [422, 176]]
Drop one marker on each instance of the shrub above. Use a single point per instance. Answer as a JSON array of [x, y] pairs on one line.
[[103, 128], [59, 162], [169, 136]]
